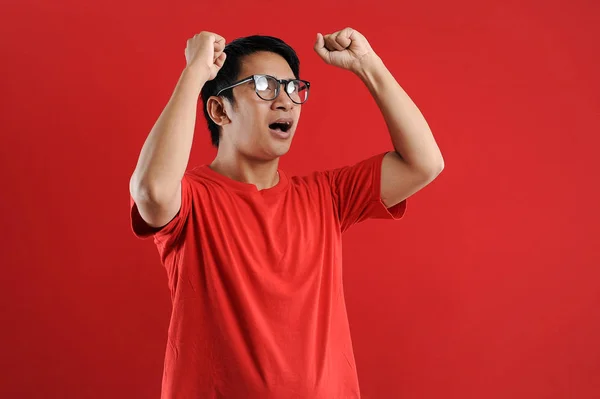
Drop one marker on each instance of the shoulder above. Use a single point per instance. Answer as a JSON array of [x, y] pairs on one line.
[[309, 179], [200, 178], [315, 183]]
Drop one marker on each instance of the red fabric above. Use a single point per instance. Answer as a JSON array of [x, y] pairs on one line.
[[256, 283]]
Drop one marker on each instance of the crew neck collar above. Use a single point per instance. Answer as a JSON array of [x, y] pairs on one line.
[[247, 187]]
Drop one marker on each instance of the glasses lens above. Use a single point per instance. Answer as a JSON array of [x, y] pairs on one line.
[[266, 87], [298, 91]]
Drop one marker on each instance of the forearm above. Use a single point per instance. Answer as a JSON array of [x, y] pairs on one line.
[[166, 151], [411, 136]]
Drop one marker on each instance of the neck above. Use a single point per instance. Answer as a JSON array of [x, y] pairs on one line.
[[263, 174]]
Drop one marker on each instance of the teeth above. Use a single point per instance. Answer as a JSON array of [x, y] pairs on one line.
[[284, 126]]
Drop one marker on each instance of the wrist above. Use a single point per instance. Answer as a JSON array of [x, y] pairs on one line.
[[194, 77], [368, 66]]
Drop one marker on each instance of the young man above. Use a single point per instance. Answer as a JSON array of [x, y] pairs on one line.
[[253, 257]]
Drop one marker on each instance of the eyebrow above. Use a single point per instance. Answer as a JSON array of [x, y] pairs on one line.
[[292, 78]]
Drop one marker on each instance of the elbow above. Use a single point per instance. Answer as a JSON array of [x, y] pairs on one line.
[[431, 171], [429, 166], [433, 168], [137, 190], [439, 166], [143, 191]]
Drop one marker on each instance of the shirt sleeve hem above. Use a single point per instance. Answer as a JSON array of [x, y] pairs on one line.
[[396, 211]]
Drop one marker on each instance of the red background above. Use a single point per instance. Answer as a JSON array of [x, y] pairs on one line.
[[488, 288]]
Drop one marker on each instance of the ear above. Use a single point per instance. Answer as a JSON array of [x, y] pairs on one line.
[[216, 110]]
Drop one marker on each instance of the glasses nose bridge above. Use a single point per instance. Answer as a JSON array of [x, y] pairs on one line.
[[286, 95]]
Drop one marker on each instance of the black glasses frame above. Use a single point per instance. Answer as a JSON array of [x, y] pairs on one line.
[[280, 81]]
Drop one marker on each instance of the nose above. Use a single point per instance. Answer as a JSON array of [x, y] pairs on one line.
[[282, 101]]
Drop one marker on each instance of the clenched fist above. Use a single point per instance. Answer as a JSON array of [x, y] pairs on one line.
[[205, 52], [346, 48]]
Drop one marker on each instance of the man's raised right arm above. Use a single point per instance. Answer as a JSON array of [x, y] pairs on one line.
[[155, 184]]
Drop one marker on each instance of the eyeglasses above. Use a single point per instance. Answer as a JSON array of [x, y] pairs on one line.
[[267, 87]]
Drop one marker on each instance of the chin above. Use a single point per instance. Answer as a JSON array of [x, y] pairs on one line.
[[278, 150], [267, 149], [268, 152]]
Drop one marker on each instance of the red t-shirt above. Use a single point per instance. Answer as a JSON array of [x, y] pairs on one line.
[[256, 283]]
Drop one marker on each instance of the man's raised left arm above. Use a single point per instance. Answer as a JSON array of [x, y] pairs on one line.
[[416, 159]]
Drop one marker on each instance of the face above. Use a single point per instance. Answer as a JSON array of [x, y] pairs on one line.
[[246, 127]]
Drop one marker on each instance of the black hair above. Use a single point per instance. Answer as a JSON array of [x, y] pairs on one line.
[[228, 74]]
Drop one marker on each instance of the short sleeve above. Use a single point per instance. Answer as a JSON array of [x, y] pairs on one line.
[[356, 193], [172, 229]]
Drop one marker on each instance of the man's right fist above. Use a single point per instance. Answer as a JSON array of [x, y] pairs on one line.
[[204, 51]]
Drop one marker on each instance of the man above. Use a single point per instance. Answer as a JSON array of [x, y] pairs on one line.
[[253, 257]]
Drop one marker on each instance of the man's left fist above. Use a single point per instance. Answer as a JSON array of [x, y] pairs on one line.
[[347, 49]]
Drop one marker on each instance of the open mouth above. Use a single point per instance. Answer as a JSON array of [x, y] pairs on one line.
[[281, 126]]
